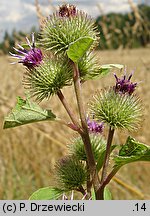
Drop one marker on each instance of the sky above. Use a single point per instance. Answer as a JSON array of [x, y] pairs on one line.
[[21, 14]]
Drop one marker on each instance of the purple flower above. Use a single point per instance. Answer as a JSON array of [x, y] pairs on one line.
[[94, 126], [124, 85], [67, 10], [29, 58]]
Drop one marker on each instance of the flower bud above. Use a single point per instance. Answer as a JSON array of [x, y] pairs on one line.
[[67, 10], [77, 149], [71, 173]]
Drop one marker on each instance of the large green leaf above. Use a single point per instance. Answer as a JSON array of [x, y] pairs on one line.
[[132, 151], [47, 193], [78, 48], [26, 112]]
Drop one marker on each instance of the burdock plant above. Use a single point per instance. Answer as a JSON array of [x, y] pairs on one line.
[[64, 57]]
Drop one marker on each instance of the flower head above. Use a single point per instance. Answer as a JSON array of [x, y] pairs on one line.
[[124, 85], [67, 10], [94, 126], [118, 110], [48, 78], [29, 58], [66, 26]]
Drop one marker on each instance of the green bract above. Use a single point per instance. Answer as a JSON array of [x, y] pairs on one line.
[[71, 173], [89, 67], [98, 147], [48, 78], [59, 32], [118, 110]]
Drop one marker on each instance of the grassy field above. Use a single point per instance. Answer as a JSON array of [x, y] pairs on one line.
[[27, 153]]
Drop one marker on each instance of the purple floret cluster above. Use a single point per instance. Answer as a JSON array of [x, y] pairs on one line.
[[94, 126], [67, 10], [29, 58], [124, 85]]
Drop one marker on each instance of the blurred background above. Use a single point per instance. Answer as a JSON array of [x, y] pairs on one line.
[[28, 153]]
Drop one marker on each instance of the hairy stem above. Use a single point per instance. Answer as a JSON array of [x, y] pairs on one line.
[[107, 154], [111, 175], [85, 133], [69, 111], [104, 178], [106, 181], [89, 183]]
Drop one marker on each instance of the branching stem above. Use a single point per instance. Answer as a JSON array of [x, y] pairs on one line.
[[107, 154], [69, 111], [85, 133], [105, 179], [111, 175]]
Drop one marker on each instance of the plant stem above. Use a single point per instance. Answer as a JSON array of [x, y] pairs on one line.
[[81, 190], [89, 183], [85, 133], [107, 154], [85, 195], [110, 176], [105, 165], [69, 111], [106, 181]]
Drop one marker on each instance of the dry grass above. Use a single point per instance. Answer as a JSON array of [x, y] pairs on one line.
[[27, 153]]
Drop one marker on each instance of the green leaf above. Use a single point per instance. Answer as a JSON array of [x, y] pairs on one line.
[[107, 194], [78, 48], [132, 151], [94, 74], [110, 66], [47, 193], [94, 71], [26, 112], [105, 69]]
